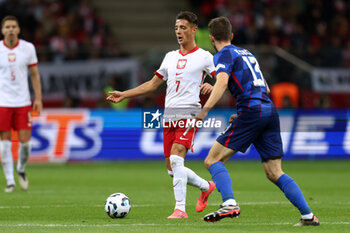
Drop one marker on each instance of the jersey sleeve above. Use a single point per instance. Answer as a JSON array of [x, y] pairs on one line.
[[209, 64], [162, 72], [224, 62], [33, 59]]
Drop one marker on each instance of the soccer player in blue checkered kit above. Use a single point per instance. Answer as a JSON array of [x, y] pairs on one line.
[[257, 123]]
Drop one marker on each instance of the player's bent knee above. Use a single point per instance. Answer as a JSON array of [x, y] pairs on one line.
[[269, 176], [178, 149], [209, 161], [273, 177]]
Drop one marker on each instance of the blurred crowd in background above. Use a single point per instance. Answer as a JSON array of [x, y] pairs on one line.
[[63, 30], [317, 31]]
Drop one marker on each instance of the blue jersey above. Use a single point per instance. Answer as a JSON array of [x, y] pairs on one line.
[[246, 82]]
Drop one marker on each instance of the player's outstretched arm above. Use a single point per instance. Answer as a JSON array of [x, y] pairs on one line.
[[147, 87], [36, 83], [218, 91]]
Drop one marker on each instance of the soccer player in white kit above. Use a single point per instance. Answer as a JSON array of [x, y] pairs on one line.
[[183, 71], [16, 58]]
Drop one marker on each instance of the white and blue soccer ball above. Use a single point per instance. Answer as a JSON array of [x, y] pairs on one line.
[[117, 205]]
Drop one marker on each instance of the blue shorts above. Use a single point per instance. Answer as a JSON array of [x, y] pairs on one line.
[[250, 128]]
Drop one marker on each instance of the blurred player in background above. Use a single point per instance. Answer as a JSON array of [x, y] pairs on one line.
[[183, 71], [257, 122], [17, 57]]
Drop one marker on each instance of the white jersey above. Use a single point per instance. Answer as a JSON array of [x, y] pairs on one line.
[[14, 64], [184, 73]]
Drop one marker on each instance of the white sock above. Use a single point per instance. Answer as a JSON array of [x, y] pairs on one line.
[[307, 216], [24, 151], [179, 181], [7, 161], [229, 202], [195, 180]]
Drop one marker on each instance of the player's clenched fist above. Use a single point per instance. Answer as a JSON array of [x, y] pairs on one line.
[[115, 96]]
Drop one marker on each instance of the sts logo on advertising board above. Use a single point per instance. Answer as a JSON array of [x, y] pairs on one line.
[[60, 135]]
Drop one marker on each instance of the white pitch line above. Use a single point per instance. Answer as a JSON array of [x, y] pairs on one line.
[[133, 205], [19, 207], [155, 224], [152, 205], [217, 204]]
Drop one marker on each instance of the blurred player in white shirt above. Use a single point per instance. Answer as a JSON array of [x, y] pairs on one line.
[[16, 58], [183, 71]]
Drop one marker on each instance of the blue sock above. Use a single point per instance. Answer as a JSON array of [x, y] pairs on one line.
[[222, 180], [292, 191]]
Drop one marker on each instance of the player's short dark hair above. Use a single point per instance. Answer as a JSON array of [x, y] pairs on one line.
[[220, 28], [189, 16], [9, 17]]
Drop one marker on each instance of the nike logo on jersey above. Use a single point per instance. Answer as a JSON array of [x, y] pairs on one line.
[[183, 138], [176, 184], [178, 74]]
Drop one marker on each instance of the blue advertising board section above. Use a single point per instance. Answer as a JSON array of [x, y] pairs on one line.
[[71, 135]]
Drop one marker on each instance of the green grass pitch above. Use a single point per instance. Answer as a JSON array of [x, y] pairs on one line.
[[70, 198]]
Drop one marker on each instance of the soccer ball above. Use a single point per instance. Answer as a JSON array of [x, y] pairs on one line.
[[117, 205]]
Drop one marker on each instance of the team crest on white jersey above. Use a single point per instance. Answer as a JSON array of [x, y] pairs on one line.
[[11, 57], [181, 63]]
